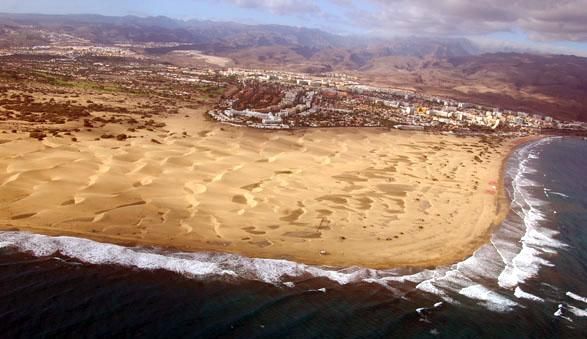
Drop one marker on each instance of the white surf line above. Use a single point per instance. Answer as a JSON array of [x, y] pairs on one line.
[[576, 297], [201, 264], [92, 252], [321, 290], [492, 300], [438, 281], [512, 267], [4, 244], [422, 310], [549, 192], [559, 194], [498, 252], [577, 311], [536, 238], [383, 282], [228, 265], [521, 294], [559, 313]]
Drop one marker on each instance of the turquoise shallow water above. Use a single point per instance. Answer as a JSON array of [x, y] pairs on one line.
[[529, 281]]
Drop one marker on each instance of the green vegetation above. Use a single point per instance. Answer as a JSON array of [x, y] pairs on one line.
[[212, 92]]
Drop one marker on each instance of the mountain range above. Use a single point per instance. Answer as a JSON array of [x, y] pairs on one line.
[[455, 67]]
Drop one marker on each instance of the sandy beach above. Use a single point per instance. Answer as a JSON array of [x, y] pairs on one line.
[[342, 197]]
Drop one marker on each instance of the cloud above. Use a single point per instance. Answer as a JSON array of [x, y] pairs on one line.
[[343, 3], [540, 19], [280, 7], [564, 20], [491, 45]]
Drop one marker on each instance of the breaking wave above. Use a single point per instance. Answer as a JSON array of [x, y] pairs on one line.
[[490, 277], [577, 297]]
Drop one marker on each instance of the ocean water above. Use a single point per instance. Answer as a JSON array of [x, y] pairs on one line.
[[529, 281]]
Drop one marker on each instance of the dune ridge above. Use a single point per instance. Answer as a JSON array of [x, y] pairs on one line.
[[341, 197]]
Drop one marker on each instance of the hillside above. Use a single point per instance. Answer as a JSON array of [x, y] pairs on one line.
[[551, 84]]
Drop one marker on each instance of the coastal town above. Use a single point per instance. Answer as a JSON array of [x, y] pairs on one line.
[[267, 99], [284, 100], [293, 168]]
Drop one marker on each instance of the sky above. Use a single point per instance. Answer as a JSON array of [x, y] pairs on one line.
[[558, 26]]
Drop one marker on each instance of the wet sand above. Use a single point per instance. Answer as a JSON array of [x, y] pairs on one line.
[[342, 197]]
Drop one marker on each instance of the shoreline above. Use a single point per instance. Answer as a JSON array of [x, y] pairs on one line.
[[475, 285], [503, 200], [316, 257]]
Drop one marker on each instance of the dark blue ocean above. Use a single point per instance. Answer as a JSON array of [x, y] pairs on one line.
[[529, 281]]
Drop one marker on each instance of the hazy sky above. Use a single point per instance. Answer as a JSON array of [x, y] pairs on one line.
[[547, 24]]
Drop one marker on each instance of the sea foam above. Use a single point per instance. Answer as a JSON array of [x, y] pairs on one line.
[[492, 300], [519, 293], [538, 241], [576, 297], [515, 253], [5, 244], [190, 264]]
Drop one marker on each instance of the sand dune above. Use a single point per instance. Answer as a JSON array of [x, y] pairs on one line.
[[335, 196]]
